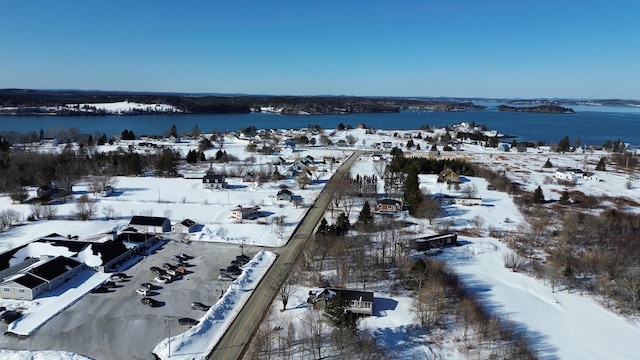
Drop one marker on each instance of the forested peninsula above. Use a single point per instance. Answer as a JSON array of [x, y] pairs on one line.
[[547, 108], [67, 102]]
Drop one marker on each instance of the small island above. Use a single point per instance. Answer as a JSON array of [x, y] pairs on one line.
[[547, 108]]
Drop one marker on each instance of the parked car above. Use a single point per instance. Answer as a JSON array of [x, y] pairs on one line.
[[181, 270], [143, 292], [187, 321], [225, 277], [121, 274], [149, 302], [161, 279], [184, 256], [116, 277], [109, 284], [10, 316], [233, 270], [156, 270], [176, 258], [171, 272], [243, 258], [199, 306], [168, 266], [236, 263], [147, 286], [100, 290]]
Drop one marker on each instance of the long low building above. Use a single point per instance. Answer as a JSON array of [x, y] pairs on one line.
[[43, 276]]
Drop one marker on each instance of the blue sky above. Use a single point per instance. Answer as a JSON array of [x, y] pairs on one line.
[[577, 49]]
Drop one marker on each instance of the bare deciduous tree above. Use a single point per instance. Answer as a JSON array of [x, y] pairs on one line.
[[85, 208], [8, 217], [49, 212], [222, 232], [109, 212]]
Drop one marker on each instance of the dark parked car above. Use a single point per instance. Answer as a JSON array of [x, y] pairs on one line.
[[100, 290], [109, 284], [168, 266], [10, 316], [187, 321], [156, 270], [147, 286], [199, 306], [236, 263], [184, 256], [234, 270], [149, 301]]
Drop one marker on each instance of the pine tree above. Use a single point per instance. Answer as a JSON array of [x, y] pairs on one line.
[[412, 194], [365, 219], [602, 165], [538, 196], [342, 225], [564, 198]]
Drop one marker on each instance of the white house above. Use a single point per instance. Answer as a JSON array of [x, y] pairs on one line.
[[240, 213], [467, 201]]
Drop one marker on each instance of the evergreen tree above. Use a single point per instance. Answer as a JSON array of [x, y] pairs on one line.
[[192, 157], [602, 165], [548, 164], [102, 140], [323, 228], [538, 196], [173, 131], [342, 225], [564, 144], [365, 219], [564, 198], [412, 193], [166, 164]]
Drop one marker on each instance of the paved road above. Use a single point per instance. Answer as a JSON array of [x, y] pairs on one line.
[[235, 341]]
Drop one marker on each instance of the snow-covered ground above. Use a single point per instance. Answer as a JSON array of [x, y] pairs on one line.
[[561, 325]]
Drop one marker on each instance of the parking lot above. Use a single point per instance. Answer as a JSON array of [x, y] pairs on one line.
[[116, 325]]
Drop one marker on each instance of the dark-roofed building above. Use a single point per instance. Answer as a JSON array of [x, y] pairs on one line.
[[23, 287], [135, 241], [113, 253], [40, 278], [9, 267], [56, 271], [214, 181], [388, 205], [150, 224], [185, 227], [360, 302], [284, 194]]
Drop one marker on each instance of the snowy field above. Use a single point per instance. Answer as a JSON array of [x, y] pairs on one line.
[[561, 325]]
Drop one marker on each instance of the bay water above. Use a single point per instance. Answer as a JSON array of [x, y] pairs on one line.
[[591, 125]]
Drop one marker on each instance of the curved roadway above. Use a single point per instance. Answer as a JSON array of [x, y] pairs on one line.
[[236, 339]]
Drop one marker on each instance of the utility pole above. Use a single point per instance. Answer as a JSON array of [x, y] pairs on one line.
[[167, 321]]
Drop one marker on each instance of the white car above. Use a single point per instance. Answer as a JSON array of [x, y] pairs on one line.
[[225, 277], [143, 292], [161, 280]]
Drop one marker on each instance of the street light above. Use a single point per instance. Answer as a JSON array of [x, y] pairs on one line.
[[167, 321]]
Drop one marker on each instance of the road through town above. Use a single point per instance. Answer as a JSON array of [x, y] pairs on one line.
[[235, 341]]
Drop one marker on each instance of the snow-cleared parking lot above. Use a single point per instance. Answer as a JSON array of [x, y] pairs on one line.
[[115, 325]]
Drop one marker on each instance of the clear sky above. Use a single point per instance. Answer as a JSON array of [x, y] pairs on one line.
[[510, 48]]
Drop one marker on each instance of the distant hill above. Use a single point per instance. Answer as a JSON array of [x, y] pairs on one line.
[[547, 108], [26, 102]]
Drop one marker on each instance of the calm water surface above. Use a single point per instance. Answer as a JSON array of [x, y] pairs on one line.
[[592, 125]]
